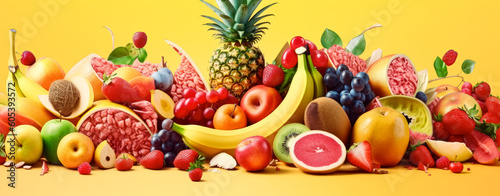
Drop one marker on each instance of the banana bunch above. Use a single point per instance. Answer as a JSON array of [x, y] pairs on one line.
[[319, 85], [212, 141]]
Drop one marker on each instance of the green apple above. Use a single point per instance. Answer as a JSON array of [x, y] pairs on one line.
[[27, 144], [52, 133]]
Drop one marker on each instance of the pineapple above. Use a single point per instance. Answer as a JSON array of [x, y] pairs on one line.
[[238, 64]]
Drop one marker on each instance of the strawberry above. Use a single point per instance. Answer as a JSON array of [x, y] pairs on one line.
[[458, 122], [195, 174], [84, 168], [439, 131], [272, 75], [27, 58], [360, 155], [45, 168], [140, 39], [450, 57], [443, 163], [118, 90], [484, 148], [490, 117], [483, 106], [186, 157], [497, 140], [123, 163], [467, 85], [493, 105], [456, 138], [421, 154], [422, 167], [153, 160], [482, 90]]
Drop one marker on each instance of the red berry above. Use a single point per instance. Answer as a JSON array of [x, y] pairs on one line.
[[27, 58], [456, 167], [197, 115], [483, 106], [289, 58], [421, 155], [439, 132], [84, 168], [179, 110], [272, 75], [209, 113], [140, 39], [191, 104], [492, 106], [223, 93], [297, 42], [123, 163], [195, 174], [490, 117], [467, 85], [189, 93], [201, 97], [466, 91], [210, 124], [312, 46], [184, 158], [458, 122], [212, 96], [153, 160], [482, 90], [456, 138], [443, 163], [450, 57], [319, 58]]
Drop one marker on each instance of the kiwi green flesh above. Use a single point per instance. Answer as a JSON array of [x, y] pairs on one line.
[[284, 139]]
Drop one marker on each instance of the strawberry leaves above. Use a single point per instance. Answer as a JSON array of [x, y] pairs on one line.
[[198, 163], [489, 129]]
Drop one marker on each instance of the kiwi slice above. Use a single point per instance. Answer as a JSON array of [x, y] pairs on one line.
[[283, 140]]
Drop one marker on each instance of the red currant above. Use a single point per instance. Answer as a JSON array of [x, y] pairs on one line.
[[212, 96], [319, 58], [188, 93], [297, 42], [190, 104]]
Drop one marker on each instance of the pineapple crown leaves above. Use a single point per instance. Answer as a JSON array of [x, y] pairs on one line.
[[2, 145], [107, 79], [198, 163], [236, 21], [471, 112]]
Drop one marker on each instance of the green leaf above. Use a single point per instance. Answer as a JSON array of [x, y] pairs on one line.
[[142, 55], [132, 50], [118, 53], [226, 7], [440, 67], [330, 38], [357, 45], [468, 66], [289, 73], [127, 60], [489, 129]]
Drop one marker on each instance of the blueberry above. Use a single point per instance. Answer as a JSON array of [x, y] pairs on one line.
[[358, 107], [356, 94], [179, 147], [347, 87], [341, 68], [175, 137], [421, 95], [339, 88], [167, 124], [330, 80], [155, 141], [353, 118], [333, 95], [167, 147], [346, 77], [358, 84], [363, 75], [163, 135], [346, 109], [344, 92], [169, 159], [367, 89], [346, 99], [331, 70]]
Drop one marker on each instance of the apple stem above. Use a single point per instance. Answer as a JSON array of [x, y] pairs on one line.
[[232, 114], [14, 135]]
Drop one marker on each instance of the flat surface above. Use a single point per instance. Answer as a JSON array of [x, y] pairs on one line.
[[288, 181]]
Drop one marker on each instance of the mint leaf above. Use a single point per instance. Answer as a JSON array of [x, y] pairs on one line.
[[118, 53], [330, 38], [126, 60], [468, 66], [357, 45], [142, 55], [440, 68]]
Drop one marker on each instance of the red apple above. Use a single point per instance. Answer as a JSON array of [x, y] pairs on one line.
[[445, 89], [260, 101], [254, 153], [456, 100]]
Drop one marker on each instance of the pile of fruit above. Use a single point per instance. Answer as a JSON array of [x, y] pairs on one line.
[[312, 108]]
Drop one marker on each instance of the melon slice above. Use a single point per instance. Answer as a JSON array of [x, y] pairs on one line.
[[318, 152], [455, 151], [187, 75], [86, 98]]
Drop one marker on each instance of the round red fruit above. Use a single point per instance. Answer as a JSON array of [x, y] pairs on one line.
[[208, 113], [188, 93], [272, 75], [467, 85], [450, 57], [190, 104], [223, 93], [179, 110], [466, 91], [439, 131], [297, 42], [210, 124], [289, 58], [197, 115], [140, 39], [201, 97], [312, 46], [212, 97], [319, 58], [456, 167], [27, 58], [482, 90]]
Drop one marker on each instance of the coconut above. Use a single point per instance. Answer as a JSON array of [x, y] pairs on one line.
[[64, 96]]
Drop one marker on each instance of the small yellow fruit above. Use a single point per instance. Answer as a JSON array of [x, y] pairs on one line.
[[163, 104], [104, 156], [455, 151], [126, 73]]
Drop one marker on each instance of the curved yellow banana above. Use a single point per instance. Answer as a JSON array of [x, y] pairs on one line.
[[319, 86], [4, 99], [210, 142], [11, 80]]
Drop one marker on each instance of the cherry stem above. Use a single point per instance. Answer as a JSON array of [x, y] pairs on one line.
[[232, 114]]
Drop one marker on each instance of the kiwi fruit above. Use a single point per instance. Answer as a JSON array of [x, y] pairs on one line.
[[283, 140], [327, 115]]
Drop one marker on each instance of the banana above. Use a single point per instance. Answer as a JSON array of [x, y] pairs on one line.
[[11, 80], [210, 142], [28, 87], [3, 99], [319, 86]]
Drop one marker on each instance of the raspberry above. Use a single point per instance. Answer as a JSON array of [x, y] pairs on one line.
[[450, 57], [466, 91], [140, 39], [467, 85], [443, 163], [84, 168]]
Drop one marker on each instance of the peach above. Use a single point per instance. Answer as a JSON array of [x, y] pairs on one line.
[[445, 89], [456, 100], [45, 71], [144, 86]]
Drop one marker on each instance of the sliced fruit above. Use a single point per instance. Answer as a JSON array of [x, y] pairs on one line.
[[393, 75], [414, 109], [104, 156], [86, 99], [455, 151], [224, 161], [360, 155], [484, 148], [318, 152], [126, 73], [283, 140], [163, 104], [128, 156]]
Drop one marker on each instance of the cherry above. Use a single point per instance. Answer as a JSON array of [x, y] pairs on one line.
[[297, 42], [289, 58], [27, 58], [319, 58], [312, 46], [456, 167]]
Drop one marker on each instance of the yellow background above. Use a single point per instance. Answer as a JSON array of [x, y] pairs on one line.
[[68, 30]]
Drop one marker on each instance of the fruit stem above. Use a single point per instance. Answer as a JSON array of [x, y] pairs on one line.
[[15, 138], [232, 113], [453, 76], [112, 36], [163, 63]]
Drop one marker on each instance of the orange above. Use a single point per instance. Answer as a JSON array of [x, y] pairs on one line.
[[229, 117], [388, 133]]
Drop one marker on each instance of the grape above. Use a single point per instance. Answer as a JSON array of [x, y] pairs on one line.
[[178, 147], [179, 110], [201, 97], [363, 75], [353, 118], [339, 88], [312, 46], [190, 104], [167, 147], [346, 109], [297, 42], [208, 113], [369, 98], [212, 96], [422, 96], [163, 135], [331, 70], [367, 89], [347, 87], [346, 77], [356, 94], [197, 114], [344, 92], [358, 84], [363, 97], [188, 93], [331, 80], [346, 99], [289, 58], [358, 107], [155, 141], [210, 124], [333, 95], [169, 159], [341, 68], [319, 58], [223, 93], [167, 124], [175, 137], [154, 148]]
